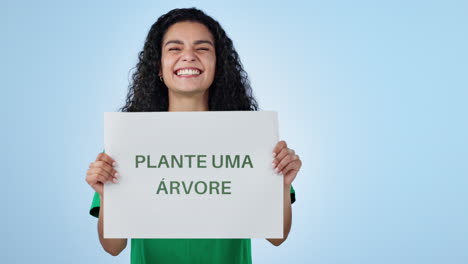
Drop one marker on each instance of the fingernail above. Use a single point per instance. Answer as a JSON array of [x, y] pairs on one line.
[[114, 164], [116, 175], [276, 170], [115, 180], [274, 154], [273, 165]]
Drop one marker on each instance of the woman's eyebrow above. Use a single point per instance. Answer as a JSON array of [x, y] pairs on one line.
[[203, 41], [196, 42], [176, 41]]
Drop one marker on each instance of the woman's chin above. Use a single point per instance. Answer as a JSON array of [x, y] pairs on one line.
[[189, 91]]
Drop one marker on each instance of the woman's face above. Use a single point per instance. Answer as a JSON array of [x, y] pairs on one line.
[[188, 58]]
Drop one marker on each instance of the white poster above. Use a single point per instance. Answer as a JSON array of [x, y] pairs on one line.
[[193, 175]]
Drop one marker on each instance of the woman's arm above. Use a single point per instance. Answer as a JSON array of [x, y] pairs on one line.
[[112, 246], [287, 163]]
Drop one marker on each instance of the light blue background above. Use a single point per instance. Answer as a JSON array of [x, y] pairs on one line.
[[373, 96]]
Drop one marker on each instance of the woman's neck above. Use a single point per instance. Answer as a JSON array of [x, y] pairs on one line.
[[182, 103]]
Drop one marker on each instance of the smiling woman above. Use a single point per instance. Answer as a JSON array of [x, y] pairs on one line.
[[188, 63], [179, 43]]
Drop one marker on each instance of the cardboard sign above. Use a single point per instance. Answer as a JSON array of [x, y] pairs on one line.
[[193, 175]]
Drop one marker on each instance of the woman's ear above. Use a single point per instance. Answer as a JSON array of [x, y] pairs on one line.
[[160, 76]]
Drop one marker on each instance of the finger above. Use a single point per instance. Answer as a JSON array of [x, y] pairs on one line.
[[293, 165], [280, 156], [283, 153], [279, 146], [89, 179], [110, 176], [105, 166], [99, 171], [93, 178], [106, 158], [285, 161], [102, 179]]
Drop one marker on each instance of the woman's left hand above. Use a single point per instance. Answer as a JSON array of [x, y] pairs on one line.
[[286, 162]]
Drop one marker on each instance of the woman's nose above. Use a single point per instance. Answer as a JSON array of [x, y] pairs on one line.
[[188, 55]]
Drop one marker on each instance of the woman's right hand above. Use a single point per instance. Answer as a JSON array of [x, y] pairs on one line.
[[101, 171]]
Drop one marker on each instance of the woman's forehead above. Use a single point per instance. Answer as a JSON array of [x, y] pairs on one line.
[[187, 31]]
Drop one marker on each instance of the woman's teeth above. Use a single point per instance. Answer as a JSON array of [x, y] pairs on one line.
[[187, 72]]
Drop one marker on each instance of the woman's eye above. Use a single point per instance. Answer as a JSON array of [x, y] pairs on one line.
[[203, 49], [174, 49]]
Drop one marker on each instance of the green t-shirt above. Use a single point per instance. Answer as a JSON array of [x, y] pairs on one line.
[[181, 251]]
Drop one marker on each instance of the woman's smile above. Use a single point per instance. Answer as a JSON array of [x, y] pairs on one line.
[[189, 72]]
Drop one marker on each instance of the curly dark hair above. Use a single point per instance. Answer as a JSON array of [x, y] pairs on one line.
[[230, 90]]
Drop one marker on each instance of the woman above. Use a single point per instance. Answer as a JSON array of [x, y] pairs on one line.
[[188, 64]]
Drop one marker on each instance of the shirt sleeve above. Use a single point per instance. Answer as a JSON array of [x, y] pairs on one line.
[[95, 205], [293, 195]]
